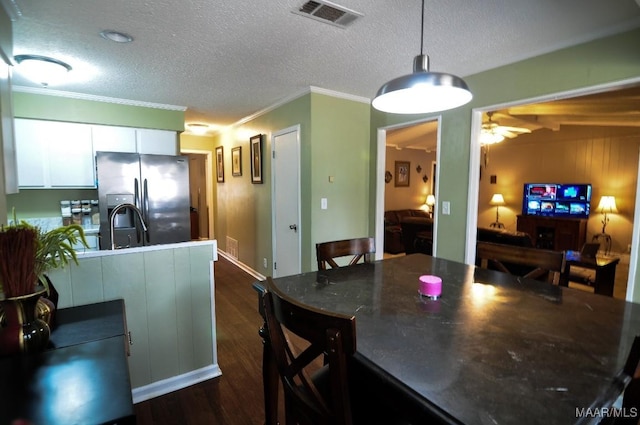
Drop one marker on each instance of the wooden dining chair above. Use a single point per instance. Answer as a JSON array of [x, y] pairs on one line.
[[536, 262], [311, 352], [359, 248], [315, 380]]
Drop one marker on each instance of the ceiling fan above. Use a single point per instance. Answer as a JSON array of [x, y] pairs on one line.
[[492, 132]]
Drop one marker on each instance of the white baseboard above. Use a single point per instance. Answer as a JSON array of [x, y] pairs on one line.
[[175, 383], [243, 266]]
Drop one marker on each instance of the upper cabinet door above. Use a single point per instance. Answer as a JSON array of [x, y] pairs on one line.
[[160, 142], [54, 154], [30, 136], [71, 155], [108, 138]]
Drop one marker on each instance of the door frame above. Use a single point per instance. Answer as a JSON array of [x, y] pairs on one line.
[[209, 185], [474, 172], [292, 129], [380, 183]]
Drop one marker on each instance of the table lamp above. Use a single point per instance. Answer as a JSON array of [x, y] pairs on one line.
[[498, 200], [430, 202], [606, 206]]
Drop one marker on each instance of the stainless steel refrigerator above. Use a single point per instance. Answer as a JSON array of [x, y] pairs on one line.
[[158, 186]]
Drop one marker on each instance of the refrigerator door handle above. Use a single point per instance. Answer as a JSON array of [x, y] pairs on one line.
[[145, 206], [136, 201], [136, 193]]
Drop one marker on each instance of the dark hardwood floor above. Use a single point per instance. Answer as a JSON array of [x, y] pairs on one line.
[[235, 397]]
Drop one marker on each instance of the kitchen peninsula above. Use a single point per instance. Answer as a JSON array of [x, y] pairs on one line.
[[170, 309]]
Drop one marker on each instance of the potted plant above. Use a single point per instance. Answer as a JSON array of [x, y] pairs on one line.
[[26, 254]]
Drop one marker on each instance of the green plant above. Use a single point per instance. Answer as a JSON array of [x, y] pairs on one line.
[[55, 247], [28, 252]]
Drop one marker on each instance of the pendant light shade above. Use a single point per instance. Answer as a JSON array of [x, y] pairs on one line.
[[422, 91]]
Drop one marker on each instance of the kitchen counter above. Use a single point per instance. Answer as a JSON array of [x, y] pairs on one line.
[[170, 306], [149, 248]]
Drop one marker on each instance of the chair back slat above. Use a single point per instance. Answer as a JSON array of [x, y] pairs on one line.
[[359, 248], [315, 378], [542, 261]]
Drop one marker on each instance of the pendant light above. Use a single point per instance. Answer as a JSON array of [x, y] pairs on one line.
[[422, 91]]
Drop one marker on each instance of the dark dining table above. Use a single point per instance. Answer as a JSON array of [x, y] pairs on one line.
[[493, 349], [82, 378]]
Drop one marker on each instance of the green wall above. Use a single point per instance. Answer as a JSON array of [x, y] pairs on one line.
[[242, 209], [334, 141], [56, 108], [607, 60], [339, 149]]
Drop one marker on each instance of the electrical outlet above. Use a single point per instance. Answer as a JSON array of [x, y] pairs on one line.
[[264, 262]]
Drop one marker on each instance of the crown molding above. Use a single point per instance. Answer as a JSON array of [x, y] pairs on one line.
[[81, 96], [298, 94]]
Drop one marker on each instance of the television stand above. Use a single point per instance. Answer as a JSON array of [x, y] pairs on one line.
[[557, 234]]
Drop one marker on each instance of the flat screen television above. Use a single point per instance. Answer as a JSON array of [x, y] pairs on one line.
[[557, 200]]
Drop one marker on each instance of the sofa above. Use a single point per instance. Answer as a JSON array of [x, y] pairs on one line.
[[393, 235], [503, 236]]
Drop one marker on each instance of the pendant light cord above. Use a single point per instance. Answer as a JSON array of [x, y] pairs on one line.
[[422, 31]]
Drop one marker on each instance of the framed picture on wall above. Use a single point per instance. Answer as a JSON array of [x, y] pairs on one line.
[[236, 161], [402, 173], [220, 164], [255, 144]]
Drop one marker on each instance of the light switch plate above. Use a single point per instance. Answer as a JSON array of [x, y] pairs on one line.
[[446, 207], [323, 203]]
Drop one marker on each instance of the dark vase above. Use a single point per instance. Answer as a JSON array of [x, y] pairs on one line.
[[21, 330]]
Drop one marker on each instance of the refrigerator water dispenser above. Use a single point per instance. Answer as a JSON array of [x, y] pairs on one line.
[[124, 218]]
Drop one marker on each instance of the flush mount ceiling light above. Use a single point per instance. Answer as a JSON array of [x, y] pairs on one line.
[[117, 36], [422, 91], [198, 129], [41, 69]]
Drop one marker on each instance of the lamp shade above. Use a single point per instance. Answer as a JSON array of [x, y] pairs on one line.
[[607, 205], [422, 91], [41, 69], [497, 200], [431, 200]]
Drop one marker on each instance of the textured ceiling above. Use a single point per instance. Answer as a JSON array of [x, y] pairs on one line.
[[226, 60]]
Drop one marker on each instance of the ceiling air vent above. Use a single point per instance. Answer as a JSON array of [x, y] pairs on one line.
[[328, 12]]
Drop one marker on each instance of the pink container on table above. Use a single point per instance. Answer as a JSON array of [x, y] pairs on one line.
[[430, 286]]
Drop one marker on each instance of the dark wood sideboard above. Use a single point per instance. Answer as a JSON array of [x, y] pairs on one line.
[[83, 378], [558, 234]]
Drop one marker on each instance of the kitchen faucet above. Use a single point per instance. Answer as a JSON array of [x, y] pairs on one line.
[[115, 210]]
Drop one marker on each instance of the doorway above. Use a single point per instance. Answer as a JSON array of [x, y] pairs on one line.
[[285, 166], [416, 142], [199, 196], [594, 144]]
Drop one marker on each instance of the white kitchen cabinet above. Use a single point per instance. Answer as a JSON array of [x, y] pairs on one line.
[[134, 140], [161, 142], [109, 138], [53, 154]]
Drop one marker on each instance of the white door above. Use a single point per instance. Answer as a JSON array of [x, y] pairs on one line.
[[286, 202]]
